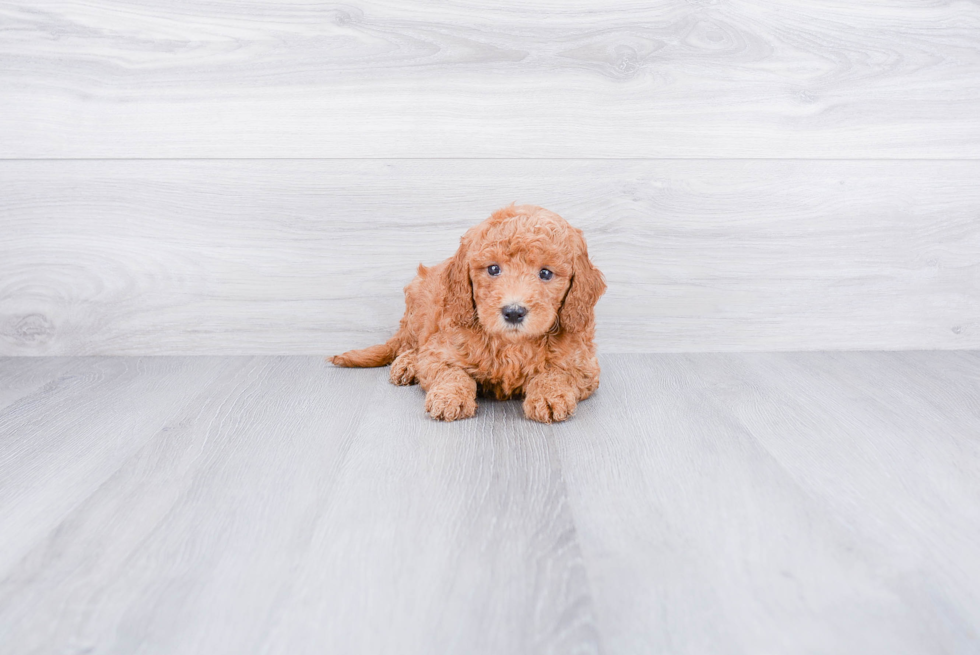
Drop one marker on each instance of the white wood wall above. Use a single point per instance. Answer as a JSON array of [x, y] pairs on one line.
[[263, 177]]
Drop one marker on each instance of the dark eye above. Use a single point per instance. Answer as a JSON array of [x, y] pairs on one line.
[[545, 274], [493, 270]]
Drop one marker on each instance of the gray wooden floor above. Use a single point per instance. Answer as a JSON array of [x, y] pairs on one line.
[[708, 503]]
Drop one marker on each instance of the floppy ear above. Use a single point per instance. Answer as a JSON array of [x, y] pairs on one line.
[[587, 284], [459, 304]]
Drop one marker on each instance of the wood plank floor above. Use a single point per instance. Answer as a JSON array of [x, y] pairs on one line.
[[701, 503]]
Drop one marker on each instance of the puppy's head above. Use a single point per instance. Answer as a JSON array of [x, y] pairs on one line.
[[521, 273]]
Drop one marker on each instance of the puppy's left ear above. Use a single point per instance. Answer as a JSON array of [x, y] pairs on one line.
[[578, 311]]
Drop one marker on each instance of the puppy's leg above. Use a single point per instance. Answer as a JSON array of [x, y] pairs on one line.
[[589, 382], [403, 369], [450, 393], [550, 396]]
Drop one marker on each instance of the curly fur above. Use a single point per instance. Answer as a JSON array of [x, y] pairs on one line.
[[453, 340]]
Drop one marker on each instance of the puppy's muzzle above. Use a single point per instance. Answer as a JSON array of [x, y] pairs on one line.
[[514, 314]]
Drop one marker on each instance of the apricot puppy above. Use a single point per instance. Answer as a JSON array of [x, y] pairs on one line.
[[511, 313]]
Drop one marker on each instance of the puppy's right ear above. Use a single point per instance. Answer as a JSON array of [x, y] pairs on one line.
[[460, 305]]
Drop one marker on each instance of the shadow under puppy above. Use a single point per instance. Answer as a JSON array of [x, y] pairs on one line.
[[512, 311]]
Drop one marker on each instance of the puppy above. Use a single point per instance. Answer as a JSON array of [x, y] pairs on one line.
[[511, 313]]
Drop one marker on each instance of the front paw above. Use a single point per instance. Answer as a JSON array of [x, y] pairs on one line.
[[450, 403], [549, 407]]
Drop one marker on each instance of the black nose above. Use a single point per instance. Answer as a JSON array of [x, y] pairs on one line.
[[514, 313]]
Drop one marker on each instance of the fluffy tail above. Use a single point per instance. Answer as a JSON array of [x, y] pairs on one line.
[[379, 355]]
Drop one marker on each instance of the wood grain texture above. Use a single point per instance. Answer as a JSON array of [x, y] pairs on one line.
[[752, 503], [280, 257], [671, 78], [723, 503], [248, 505], [22, 377]]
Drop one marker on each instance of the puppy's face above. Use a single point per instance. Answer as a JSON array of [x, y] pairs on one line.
[[521, 276], [518, 297]]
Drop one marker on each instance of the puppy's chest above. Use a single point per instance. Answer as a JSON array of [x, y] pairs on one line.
[[505, 371]]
